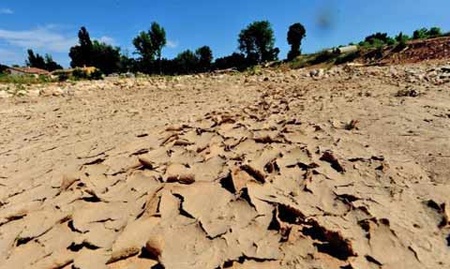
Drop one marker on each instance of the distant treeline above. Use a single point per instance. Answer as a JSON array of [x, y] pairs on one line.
[[256, 45], [381, 39]]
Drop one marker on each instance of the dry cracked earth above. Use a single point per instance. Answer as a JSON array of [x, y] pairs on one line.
[[345, 168]]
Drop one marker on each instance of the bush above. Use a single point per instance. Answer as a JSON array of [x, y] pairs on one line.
[[63, 77], [420, 33], [400, 46], [96, 75], [434, 32], [25, 79], [79, 74], [85, 74]]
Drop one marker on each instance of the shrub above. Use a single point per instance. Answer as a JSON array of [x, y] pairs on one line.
[[96, 75], [63, 77], [79, 74], [434, 32], [400, 46], [420, 33]]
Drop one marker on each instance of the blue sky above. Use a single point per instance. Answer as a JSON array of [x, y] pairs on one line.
[[50, 26]]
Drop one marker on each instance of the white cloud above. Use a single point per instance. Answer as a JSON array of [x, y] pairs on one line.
[[6, 11], [107, 39], [172, 44], [40, 38]]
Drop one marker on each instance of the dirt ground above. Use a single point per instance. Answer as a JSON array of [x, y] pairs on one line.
[[345, 168]]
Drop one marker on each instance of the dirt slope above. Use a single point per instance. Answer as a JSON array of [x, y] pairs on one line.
[[418, 51], [348, 169]]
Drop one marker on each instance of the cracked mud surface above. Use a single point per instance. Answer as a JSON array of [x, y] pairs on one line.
[[278, 170]]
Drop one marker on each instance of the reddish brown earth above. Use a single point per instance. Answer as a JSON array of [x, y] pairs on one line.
[[419, 51], [347, 169]]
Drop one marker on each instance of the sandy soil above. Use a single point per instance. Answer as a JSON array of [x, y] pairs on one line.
[[345, 169]]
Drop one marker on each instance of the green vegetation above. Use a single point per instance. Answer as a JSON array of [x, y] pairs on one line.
[[256, 45], [94, 53], [295, 36], [425, 33], [24, 79], [371, 48], [324, 57], [257, 42], [205, 57], [382, 39], [235, 60], [149, 46], [3, 68], [377, 40], [81, 74], [37, 61]]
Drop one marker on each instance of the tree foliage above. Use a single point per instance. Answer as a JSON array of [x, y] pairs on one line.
[[105, 57], [235, 60], [205, 57], [377, 40], [420, 33], [144, 46], [38, 61], [94, 53], [257, 42], [35, 60], [50, 64], [435, 32], [158, 38], [81, 54], [425, 33], [295, 36], [3, 68], [402, 38], [187, 62], [149, 46]]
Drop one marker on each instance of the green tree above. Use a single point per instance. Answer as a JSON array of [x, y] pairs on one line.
[[205, 56], [144, 48], [35, 60], [3, 68], [235, 60], [82, 54], [295, 36], [187, 62], [105, 57], [158, 38], [377, 40], [420, 33], [434, 32], [94, 53], [402, 38], [149, 45], [50, 64], [257, 42], [402, 41], [127, 64]]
